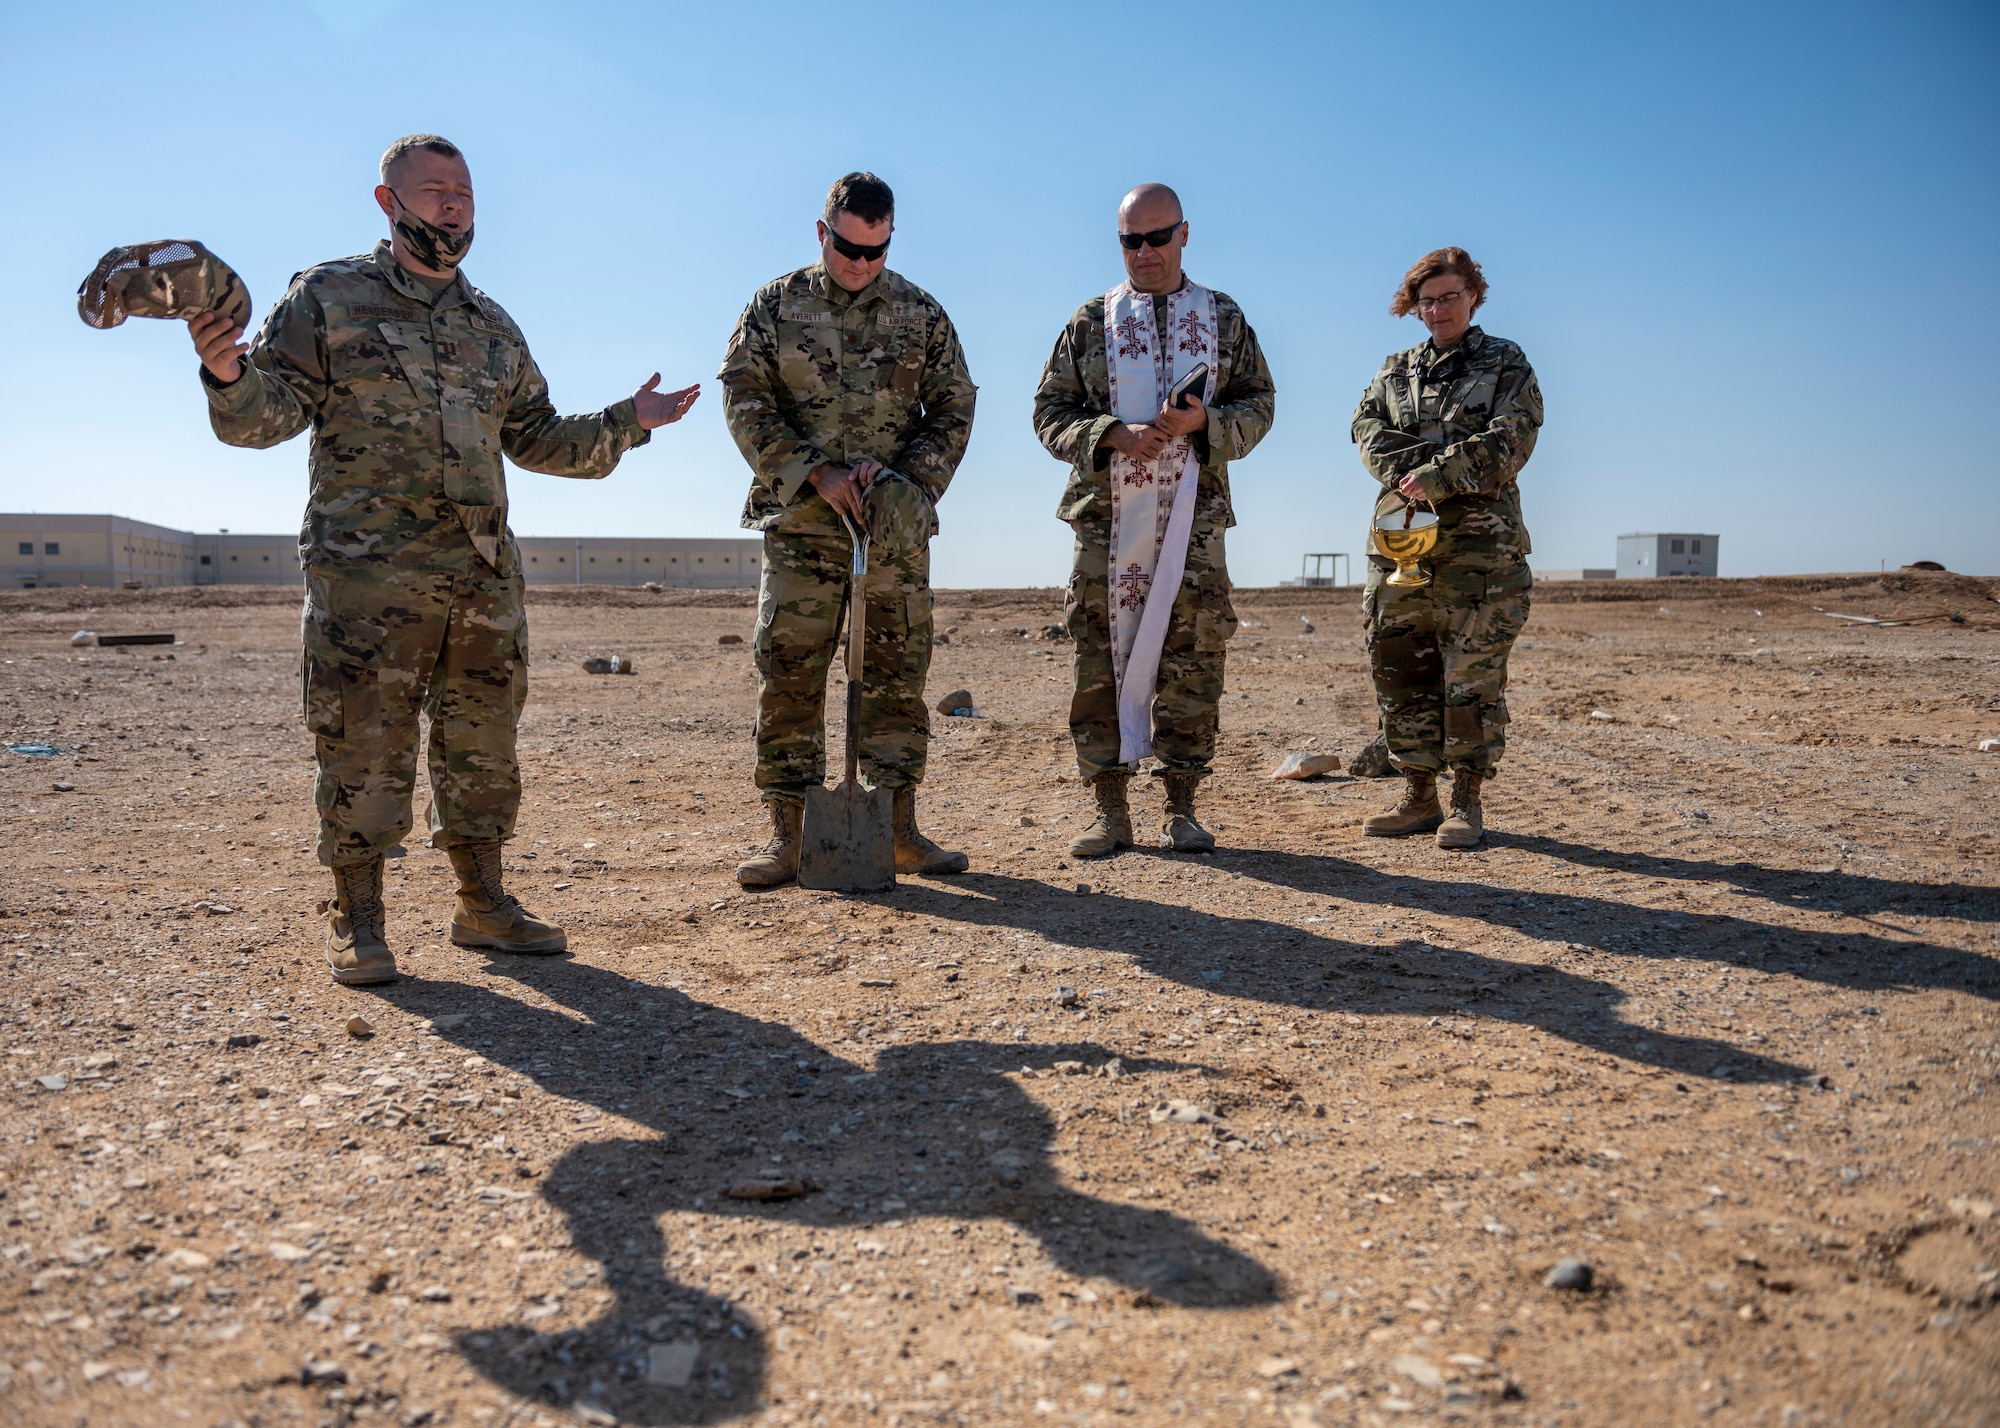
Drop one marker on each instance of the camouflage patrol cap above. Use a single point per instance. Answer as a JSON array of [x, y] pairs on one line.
[[170, 277], [900, 516]]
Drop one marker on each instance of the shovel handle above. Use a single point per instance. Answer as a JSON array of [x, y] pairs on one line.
[[857, 601]]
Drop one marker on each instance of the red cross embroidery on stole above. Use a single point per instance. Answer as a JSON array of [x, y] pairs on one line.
[[1138, 473], [1132, 583], [1132, 336], [1195, 332]]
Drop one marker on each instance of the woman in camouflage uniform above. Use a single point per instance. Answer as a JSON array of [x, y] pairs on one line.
[[1449, 423]]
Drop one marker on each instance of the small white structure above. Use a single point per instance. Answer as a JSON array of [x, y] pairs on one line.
[[1648, 555], [1589, 572]]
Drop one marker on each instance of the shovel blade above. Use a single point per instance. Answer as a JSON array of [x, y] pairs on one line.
[[849, 843]]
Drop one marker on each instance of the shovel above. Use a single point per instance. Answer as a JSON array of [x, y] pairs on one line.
[[849, 842]]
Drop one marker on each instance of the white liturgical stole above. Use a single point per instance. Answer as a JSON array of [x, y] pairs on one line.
[[1152, 502]]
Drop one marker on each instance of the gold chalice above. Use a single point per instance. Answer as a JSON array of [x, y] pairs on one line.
[[1406, 537]]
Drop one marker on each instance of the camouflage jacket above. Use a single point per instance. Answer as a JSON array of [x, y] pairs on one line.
[[1073, 410], [412, 398], [1464, 421], [815, 373]]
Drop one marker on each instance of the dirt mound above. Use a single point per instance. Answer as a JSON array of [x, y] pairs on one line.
[[1940, 585], [83, 599]]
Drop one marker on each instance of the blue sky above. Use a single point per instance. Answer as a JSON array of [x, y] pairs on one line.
[[1749, 248]]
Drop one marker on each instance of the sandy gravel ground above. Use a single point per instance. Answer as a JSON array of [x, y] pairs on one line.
[[1288, 1134]]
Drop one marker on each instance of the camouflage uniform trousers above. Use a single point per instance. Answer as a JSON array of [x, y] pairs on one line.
[[1438, 654], [802, 628], [1189, 691], [382, 646]]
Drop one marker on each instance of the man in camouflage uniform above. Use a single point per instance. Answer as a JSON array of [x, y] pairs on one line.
[[414, 384], [1449, 423], [848, 395], [1073, 418]]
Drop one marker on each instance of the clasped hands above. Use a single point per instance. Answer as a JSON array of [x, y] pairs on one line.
[[219, 343], [1145, 441], [844, 486]]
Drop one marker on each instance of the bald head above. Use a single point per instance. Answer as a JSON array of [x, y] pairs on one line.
[[1149, 206], [1151, 234]]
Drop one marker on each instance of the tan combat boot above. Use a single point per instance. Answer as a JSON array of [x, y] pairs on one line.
[[1416, 811], [1113, 828], [1178, 825], [1467, 825], [914, 852], [778, 861], [488, 915], [355, 948]]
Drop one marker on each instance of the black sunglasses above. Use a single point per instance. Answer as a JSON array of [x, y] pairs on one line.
[[1158, 238], [860, 252]]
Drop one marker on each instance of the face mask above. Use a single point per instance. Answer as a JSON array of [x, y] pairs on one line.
[[429, 244]]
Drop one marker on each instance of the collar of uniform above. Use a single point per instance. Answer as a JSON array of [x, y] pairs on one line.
[[1429, 357], [824, 286], [392, 272]]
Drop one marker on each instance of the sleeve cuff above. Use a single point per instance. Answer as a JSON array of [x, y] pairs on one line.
[[794, 478], [237, 398], [623, 417], [1215, 437], [1091, 456]]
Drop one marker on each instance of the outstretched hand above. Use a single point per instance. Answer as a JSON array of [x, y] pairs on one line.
[[219, 342], [657, 408]]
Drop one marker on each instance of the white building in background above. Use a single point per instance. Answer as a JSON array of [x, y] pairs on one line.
[[698, 564], [107, 551], [49, 551], [1648, 555]]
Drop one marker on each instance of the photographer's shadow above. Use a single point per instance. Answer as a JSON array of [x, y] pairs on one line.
[[930, 1131]]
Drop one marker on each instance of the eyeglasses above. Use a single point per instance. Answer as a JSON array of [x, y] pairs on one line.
[[1427, 304], [860, 252], [1158, 238]]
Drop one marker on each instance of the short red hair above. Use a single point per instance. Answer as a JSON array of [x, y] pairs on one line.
[[1436, 264]]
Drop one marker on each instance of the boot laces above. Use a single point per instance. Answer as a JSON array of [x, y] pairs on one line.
[[486, 859], [361, 886], [782, 837], [1464, 792]]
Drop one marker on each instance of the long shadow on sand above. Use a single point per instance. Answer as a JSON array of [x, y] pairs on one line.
[[929, 1130], [1733, 929], [1291, 964]]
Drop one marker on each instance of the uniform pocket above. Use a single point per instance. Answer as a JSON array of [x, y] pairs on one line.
[[1215, 621], [1075, 619], [334, 628], [321, 689]]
